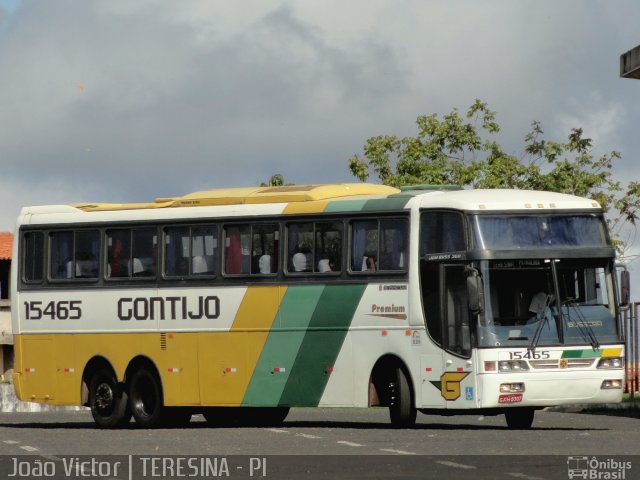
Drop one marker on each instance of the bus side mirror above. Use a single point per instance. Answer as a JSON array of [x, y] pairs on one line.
[[625, 289], [475, 293]]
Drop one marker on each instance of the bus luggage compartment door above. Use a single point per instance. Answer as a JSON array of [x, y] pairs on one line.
[[38, 368]]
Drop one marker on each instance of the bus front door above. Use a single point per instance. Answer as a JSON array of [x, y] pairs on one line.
[[458, 379]]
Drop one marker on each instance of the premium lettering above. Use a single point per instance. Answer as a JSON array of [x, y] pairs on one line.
[[387, 308]]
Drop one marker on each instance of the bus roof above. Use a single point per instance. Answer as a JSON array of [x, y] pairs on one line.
[[252, 195], [310, 199], [506, 200]]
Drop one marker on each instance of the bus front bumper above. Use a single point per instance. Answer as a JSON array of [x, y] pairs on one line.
[[551, 389]]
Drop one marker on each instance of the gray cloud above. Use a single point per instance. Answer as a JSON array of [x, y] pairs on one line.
[[131, 100]]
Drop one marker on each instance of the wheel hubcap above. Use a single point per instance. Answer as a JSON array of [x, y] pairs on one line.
[[104, 397]]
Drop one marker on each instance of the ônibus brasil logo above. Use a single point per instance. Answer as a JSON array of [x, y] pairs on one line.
[[594, 468]]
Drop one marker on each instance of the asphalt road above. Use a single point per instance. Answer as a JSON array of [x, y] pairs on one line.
[[337, 443]]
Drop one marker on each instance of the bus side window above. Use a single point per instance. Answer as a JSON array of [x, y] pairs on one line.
[[87, 252], [204, 250], [264, 249], [441, 232], [393, 233], [118, 253], [74, 255], [33, 257], [145, 252], [300, 247], [314, 247], [379, 245], [237, 256], [61, 256], [364, 243], [190, 251], [176, 248], [328, 247]]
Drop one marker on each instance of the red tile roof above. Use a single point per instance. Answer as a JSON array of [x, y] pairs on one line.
[[6, 245]]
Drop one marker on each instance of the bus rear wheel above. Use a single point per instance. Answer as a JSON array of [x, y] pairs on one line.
[[519, 418], [145, 398], [108, 403], [402, 411]]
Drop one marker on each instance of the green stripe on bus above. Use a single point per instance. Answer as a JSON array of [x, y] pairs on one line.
[[375, 204], [344, 206], [321, 345], [581, 354], [390, 203], [281, 347]]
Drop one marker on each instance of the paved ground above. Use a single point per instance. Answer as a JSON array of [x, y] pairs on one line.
[[346, 443]]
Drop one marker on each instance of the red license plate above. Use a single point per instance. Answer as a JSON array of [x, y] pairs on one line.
[[510, 398]]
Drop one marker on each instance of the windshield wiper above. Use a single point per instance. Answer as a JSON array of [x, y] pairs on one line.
[[581, 323], [542, 319]]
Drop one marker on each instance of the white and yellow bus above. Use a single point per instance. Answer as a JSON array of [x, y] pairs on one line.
[[241, 303]]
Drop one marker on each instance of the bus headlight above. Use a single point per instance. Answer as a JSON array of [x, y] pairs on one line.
[[511, 387], [612, 362], [611, 385], [512, 365]]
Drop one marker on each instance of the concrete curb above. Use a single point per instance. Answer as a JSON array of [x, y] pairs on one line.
[[578, 408]]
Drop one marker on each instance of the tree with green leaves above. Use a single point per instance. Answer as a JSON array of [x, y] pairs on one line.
[[462, 150], [276, 180]]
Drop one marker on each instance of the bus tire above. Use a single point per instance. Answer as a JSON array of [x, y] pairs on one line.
[[402, 411], [145, 398], [108, 403], [519, 418]]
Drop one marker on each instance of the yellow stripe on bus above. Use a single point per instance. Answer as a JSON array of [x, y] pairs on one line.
[[611, 352], [306, 207], [234, 354]]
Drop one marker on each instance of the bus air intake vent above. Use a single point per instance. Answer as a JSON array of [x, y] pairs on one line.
[[554, 364], [163, 341]]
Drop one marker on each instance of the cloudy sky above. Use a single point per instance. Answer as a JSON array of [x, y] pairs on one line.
[[116, 100]]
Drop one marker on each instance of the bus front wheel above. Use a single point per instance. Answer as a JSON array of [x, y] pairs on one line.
[[519, 418], [108, 403], [402, 411], [145, 398]]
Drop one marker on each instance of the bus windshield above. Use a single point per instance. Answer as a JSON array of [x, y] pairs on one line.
[[547, 302], [514, 232]]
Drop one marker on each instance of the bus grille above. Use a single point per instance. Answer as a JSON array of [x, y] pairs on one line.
[[557, 364], [163, 341]]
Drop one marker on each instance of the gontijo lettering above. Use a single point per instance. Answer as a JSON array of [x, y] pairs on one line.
[[169, 308]]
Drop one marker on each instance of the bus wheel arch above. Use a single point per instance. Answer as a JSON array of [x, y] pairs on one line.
[[146, 397], [104, 395], [390, 385]]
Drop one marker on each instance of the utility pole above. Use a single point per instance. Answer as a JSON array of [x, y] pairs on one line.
[[630, 68]]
